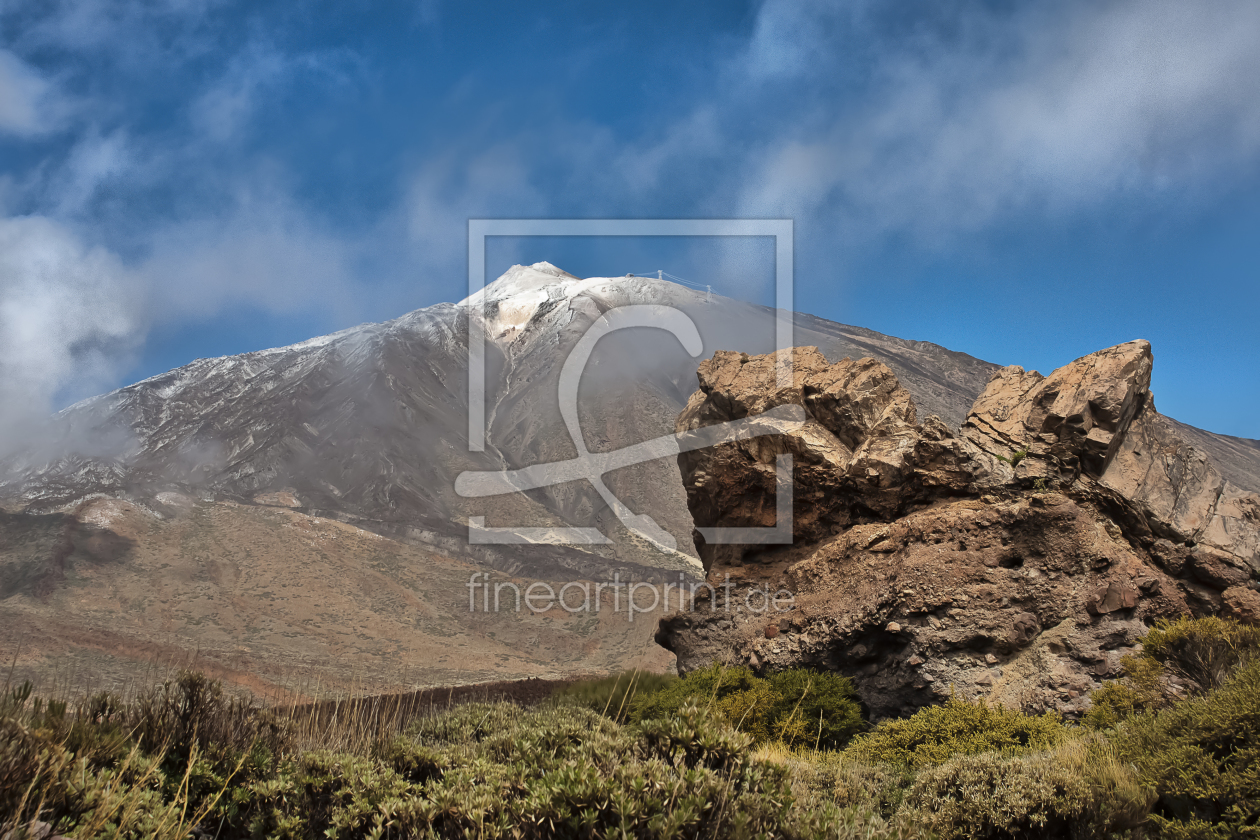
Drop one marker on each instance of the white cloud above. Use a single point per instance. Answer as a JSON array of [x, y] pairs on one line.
[[70, 315], [92, 162], [1050, 110], [27, 103], [225, 109], [446, 192], [222, 111], [263, 251]]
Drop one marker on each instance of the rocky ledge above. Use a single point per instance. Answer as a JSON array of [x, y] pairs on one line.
[[1017, 560]]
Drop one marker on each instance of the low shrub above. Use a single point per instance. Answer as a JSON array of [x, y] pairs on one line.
[[191, 711], [559, 771], [799, 706], [1197, 653], [1204, 651], [1202, 757], [1078, 789], [833, 777], [813, 708], [704, 686], [1142, 689], [936, 733], [495, 770]]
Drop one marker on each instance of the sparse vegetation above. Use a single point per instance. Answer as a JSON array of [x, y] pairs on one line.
[[1015, 458], [719, 753]]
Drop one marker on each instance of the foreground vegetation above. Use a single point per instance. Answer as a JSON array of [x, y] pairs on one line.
[[1172, 751]]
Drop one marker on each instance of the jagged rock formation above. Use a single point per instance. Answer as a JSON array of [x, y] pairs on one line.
[[1018, 560]]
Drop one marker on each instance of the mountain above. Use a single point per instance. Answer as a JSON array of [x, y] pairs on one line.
[[368, 428], [369, 425]]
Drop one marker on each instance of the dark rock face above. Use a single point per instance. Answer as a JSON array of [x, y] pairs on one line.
[[1018, 561]]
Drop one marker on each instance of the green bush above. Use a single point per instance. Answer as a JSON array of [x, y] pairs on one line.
[[558, 771], [816, 709], [936, 733], [1204, 651], [705, 686], [828, 775], [1078, 789], [1202, 756], [1143, 688], [614, 696]]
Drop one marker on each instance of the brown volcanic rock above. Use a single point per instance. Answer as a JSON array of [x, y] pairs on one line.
[[1177, 493], [859, 456], [1095, 419], [1018, 562], [1242, 603], [1077, 416], [1037, 585]]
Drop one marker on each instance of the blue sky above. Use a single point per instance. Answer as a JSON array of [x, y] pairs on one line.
[[187, 178]]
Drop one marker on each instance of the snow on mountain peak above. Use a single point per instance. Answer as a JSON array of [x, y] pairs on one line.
[[513, 300]]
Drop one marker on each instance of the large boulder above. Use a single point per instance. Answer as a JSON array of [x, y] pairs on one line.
[[1029, 602], [1018, 561], [1072, 420], [859, 455]]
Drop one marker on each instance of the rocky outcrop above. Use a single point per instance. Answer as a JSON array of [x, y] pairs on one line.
[[1072, 420], [859, 456], [1018, 561]]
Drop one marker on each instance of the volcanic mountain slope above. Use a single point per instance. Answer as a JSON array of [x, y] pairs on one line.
[[1017, 560], [370, 425], [110, 594]]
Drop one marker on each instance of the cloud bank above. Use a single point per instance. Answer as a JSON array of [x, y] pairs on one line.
[[70, 315], [1046, 110]]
